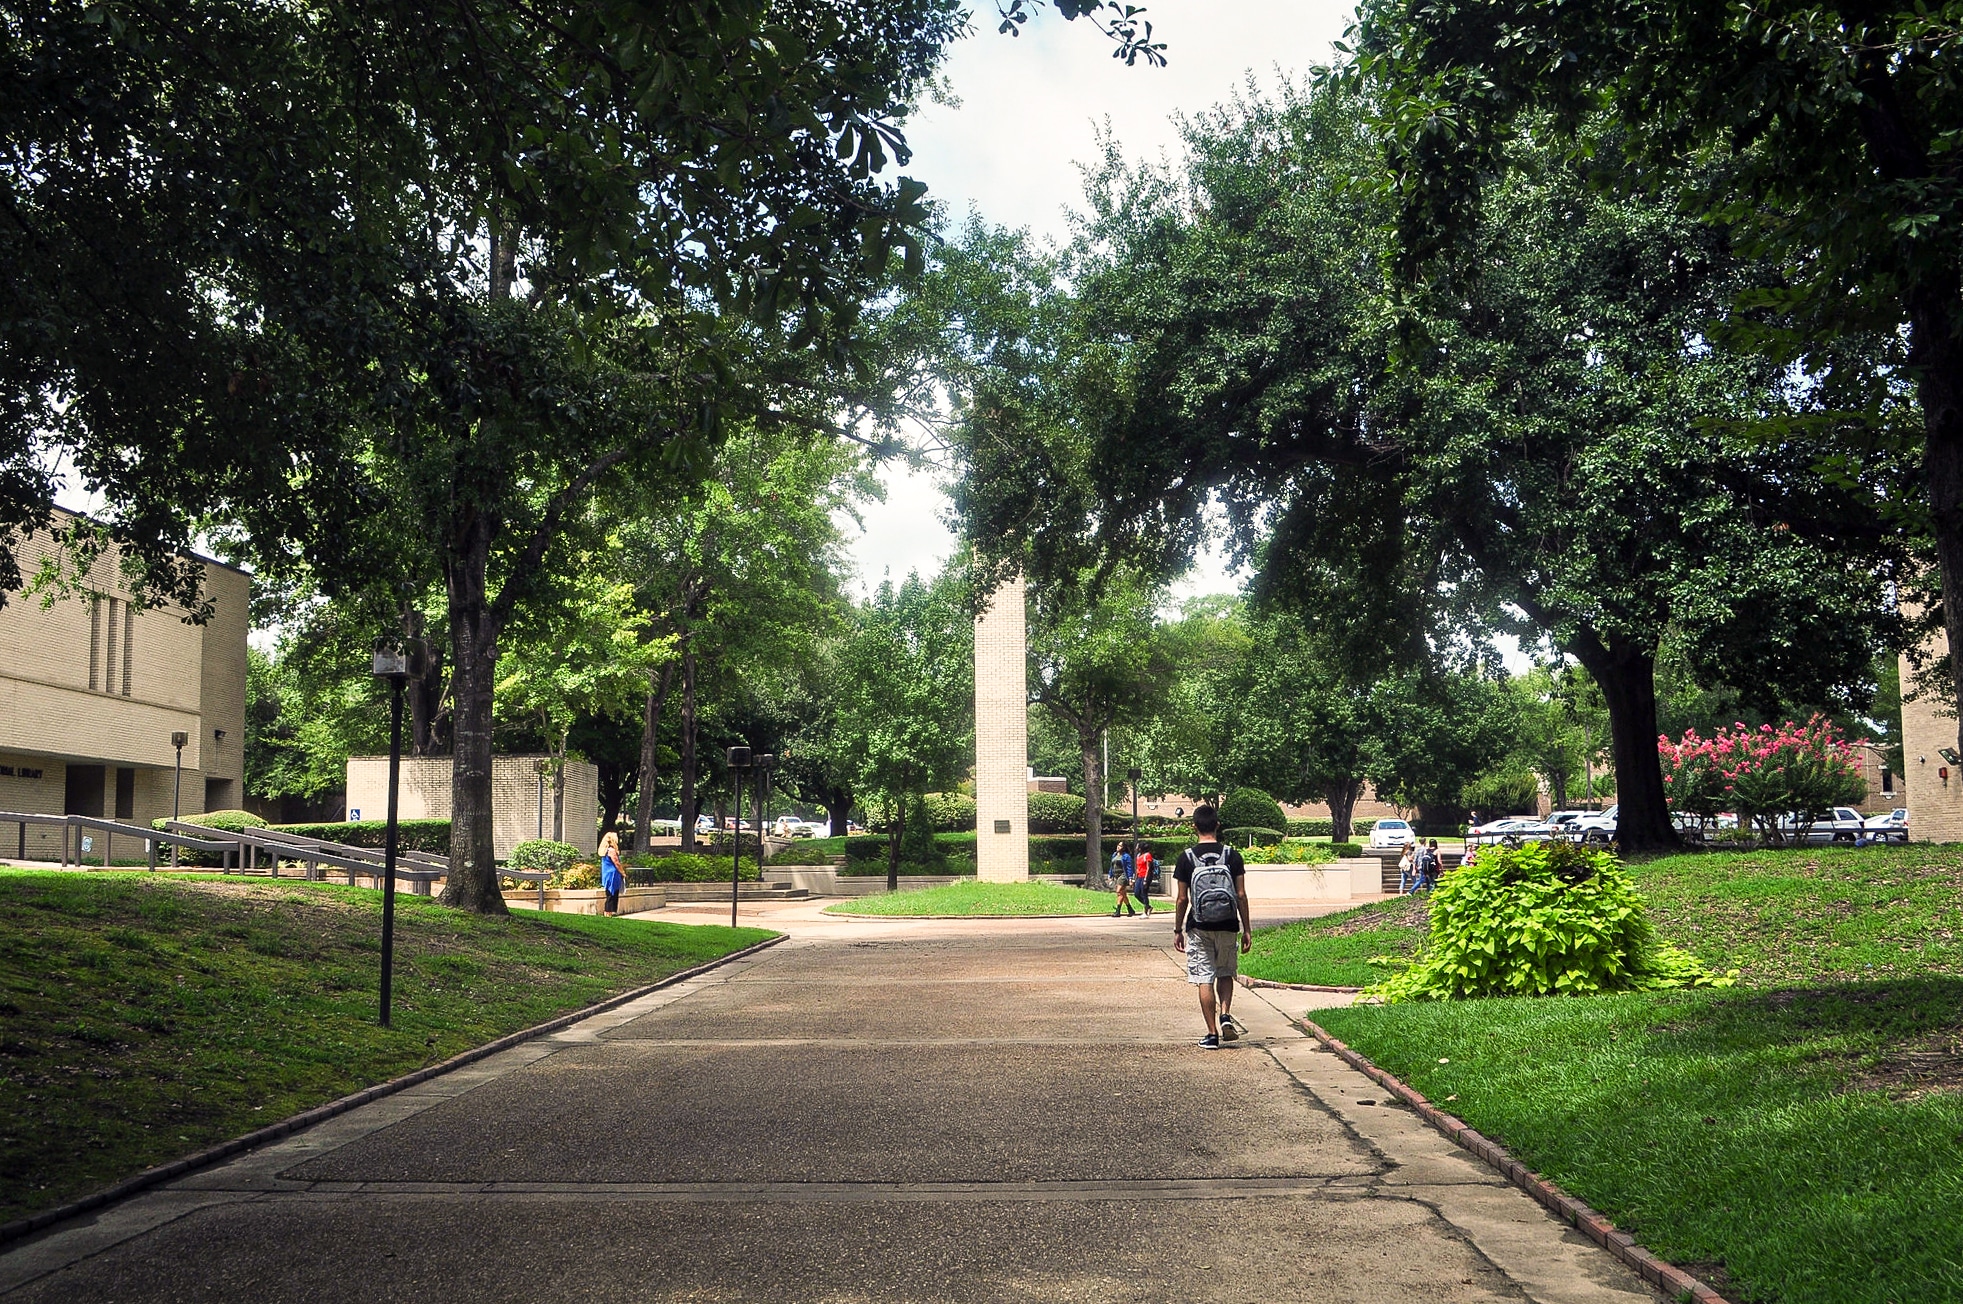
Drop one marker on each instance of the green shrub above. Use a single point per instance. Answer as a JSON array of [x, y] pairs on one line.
[[581, 876], [224, 821], [553, 857], [1250, 808], [681, 867], [1244, 837], [1056, 812], [1309, 828], [1346, 850], [950, 812], [804, 852], [1547, 919], [1290, 852], [432, 836]]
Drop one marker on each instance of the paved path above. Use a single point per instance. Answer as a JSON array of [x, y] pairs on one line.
[[963, 1111]]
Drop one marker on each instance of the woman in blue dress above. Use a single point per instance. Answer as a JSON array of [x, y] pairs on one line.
[[611, 879]]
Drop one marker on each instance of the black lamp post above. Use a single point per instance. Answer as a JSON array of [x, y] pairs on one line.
[[177, 740], [739, 764], [1134, 776], [394, 662]]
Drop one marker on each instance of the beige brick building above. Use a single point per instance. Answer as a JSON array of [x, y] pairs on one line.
[[93, 685], [520, 807], [1932, 784]]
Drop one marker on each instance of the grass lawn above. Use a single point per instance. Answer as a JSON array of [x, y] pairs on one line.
[[957, 900], [1336, 950], [143, 1017], [1796, 1139]]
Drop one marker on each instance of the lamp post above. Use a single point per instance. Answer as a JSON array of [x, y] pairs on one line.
[[739, 763], [394, 662], [1134, 776], [177, 740]]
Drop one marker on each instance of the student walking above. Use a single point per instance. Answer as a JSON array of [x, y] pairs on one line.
[[1407, 865], [611, 879], [1143, 879], [1209, 915], [1428, 864], [1121, 871]]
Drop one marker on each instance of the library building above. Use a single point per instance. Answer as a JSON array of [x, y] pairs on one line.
[[118, 711]]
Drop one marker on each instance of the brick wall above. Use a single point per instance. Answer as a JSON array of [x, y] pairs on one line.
[[424, 794], [1002, 738], [1935, 803]]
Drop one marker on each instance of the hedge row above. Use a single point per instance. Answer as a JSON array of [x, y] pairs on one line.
[[432, 836], [1327, 828]]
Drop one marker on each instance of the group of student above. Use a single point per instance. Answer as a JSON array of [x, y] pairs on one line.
[[1130, 876], [1418, 867]]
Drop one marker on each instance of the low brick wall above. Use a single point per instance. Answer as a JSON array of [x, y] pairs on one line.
[[589, 901]]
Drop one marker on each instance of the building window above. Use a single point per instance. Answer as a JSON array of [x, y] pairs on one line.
[[1887, 779], [95, 639], [129, 636]]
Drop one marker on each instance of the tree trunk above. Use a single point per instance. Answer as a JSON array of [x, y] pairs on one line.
[[1342, 805], [688, 748], [1627, 677], [838, 810], [1936, 352], [473, 879], [895, 832], [1558, 781], [424, 695], [559, 796], [650, 727], [1093, 754]]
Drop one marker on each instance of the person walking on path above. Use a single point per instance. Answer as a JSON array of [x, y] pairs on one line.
[[1208, 916], [1121, 868], [611, 879], [1428, 864], [1143, 879], [1407, 865]]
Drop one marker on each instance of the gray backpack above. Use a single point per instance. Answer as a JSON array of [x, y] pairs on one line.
[[1215, 903]]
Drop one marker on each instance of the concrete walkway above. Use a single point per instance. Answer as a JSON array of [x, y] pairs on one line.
[[874, 1111]]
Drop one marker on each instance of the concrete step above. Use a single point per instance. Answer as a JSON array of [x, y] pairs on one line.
[[680, 892]]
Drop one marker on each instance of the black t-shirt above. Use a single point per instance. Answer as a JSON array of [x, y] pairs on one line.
[[1183, 873]]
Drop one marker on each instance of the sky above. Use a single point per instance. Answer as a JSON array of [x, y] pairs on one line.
[[1029, 108]]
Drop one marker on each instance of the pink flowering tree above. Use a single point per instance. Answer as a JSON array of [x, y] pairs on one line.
[[1764, 774]]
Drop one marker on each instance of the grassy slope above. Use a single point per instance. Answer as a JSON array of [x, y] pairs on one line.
[[981, 899], [142, 1018], [1800, 1138]]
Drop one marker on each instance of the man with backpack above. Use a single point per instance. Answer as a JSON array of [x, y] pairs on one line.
[[1209, 917]]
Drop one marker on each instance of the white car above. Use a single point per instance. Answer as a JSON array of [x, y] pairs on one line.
[[1518, 828], [1888, 824], [1563, 821], [1392, 833], [1841, 824], [1598, 827]]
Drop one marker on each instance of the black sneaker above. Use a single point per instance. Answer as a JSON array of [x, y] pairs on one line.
[[1209, 1042], [1229, 1030]]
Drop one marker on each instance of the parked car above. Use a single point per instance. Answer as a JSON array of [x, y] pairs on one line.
[[1391, 833], [1889, 826], [1563, 821], [1599, 826], [1514, 829]]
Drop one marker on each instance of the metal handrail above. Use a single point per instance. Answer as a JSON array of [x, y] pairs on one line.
[[427, 859], [150, 837], [314, 854]]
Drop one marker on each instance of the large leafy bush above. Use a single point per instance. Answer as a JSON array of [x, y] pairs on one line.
[[552, 857], [1250, 808], [224, 821], [1055, 812], [950, 812], [1547, 919]]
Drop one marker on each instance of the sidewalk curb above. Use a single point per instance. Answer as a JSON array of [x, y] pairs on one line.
[[1665, 1277], [306, 1118], [1295, 987]]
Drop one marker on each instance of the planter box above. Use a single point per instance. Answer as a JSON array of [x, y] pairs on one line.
[[589, 901]]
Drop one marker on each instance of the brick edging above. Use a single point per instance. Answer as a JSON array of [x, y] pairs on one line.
[[1664, 1276], [1246, 981], [306, 1118]]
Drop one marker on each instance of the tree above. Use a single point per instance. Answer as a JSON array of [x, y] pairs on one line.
[[908, 701], [1546, 450], [1831, 127], [1095, 661]]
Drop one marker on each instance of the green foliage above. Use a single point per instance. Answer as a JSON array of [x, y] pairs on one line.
[[225, 821], [432, 836], [1292, 852], [581, 876], [683, 867], [1251, 837], [1502, 791], [1347, 850], [545, 854], [1250, 808], [950, 812], [1324, 828], [1546, 919], [1056, 812], [804, 851]]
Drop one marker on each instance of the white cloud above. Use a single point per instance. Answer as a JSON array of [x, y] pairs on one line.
[[1030, 107]]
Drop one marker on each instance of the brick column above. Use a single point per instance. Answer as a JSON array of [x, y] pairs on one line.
[[1002, 739]]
